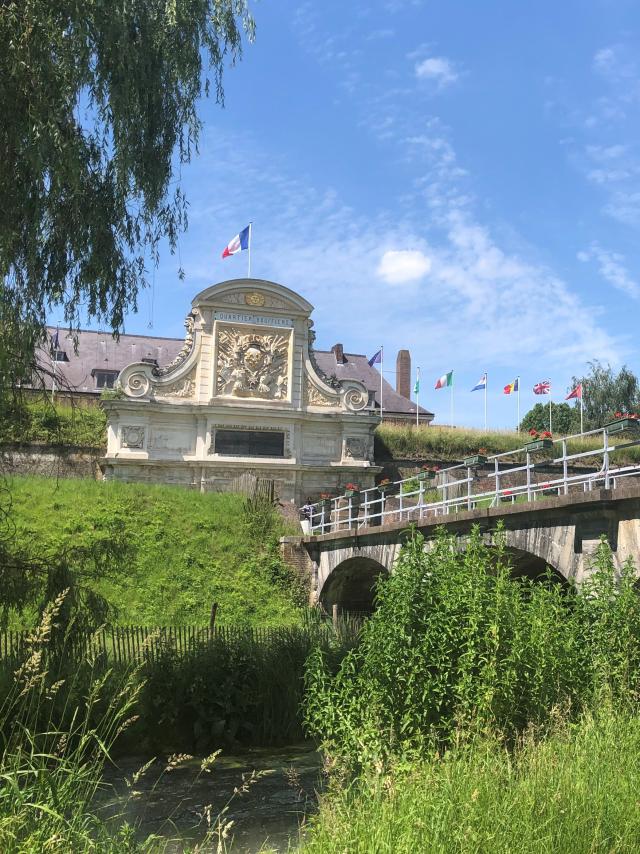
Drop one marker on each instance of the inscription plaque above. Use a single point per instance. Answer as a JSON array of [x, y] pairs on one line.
[[249, 443]]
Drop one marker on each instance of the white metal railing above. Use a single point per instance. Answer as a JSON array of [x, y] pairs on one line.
[[412, 499]]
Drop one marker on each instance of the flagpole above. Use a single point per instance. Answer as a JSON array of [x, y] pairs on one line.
[[550, 428], [418, 398], [518, 425], [381, 375], [581, 410], [486, 378], [452, 398], [249, 247]]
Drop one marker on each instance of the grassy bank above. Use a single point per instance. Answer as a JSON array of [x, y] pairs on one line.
[[395, 441], [61, 425], [171, 552], [575, 791]]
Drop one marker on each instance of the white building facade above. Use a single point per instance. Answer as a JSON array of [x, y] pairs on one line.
[[243, 394]]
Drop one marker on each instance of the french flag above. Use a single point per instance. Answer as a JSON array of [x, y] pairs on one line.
[[238, 243]]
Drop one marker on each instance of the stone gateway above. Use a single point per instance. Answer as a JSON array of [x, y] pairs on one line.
[[244, 393]]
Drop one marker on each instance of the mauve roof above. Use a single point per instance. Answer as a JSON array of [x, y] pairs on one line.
[[357, 367], [100, 351]]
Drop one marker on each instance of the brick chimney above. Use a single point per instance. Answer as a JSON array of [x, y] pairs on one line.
[[338, 351], [403, 374]]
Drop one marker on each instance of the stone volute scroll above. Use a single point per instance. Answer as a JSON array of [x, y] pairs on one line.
[[142, 380]]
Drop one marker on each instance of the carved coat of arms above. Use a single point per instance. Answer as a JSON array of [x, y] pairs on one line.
[[252, 365]]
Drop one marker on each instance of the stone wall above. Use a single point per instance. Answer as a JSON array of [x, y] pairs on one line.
[[47, 461]]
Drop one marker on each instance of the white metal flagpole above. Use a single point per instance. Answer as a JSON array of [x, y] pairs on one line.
[[249, 270], [550, 427], [452, 398], [418, 397], [486, 377], [581, 410], [381, 375], [518, 425]]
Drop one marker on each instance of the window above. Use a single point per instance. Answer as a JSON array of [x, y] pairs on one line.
[[60, 356], [250, 443], [105, 379]]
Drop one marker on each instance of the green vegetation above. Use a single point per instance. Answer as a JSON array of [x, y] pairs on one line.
[[158, 555], [482, 712], [565, 419], [88, 196], [396, 441], [40, 422], [575, 791], [235, 690], [457, 645], [52, 762]]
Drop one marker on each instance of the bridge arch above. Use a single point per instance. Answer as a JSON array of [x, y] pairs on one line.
[[534, 549], [351, 585]]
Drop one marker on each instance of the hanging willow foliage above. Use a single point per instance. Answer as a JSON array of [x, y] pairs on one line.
[[99, 107]]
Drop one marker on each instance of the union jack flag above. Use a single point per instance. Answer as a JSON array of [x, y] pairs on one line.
[[542, 388]]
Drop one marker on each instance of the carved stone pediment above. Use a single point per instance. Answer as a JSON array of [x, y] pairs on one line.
[[255, 299], [252, 364]]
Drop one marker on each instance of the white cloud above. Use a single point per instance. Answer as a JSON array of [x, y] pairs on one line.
[[437, 68], [615, 63], [611, 266], [398, 266]]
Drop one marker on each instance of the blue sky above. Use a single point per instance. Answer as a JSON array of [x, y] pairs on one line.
[[458, 178]]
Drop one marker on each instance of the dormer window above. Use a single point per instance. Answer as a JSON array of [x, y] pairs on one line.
[[104, 379]]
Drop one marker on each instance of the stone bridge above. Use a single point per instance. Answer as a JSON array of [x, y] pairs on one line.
[[559, 532]]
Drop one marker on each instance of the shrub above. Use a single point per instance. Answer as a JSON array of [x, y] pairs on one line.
[[457, 645]]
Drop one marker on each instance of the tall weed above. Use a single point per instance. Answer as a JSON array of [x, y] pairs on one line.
[[458, 646], [51, 771]]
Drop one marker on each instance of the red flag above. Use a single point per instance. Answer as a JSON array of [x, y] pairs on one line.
[[576, 393]]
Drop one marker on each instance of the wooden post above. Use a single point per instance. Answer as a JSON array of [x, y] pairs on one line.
[[334, 614], [212, 617]]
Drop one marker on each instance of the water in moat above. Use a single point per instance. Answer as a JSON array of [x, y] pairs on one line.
[[267, 794]]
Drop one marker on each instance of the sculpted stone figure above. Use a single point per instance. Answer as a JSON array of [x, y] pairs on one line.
[[252, 365]]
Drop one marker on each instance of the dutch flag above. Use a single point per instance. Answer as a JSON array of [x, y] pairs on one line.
[[239, 242]]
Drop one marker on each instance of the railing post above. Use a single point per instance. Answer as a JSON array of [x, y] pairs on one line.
[[401, 502], [383, 499], [366, 508], [421, 498], [350, 513], [605, 458], [528, 476], [445, 491], [469, 482], [497, 476], [565, 468]]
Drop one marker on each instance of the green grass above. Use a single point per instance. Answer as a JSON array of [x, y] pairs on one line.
[[39, 422], [394, 441], [179, 551], [575, 791]]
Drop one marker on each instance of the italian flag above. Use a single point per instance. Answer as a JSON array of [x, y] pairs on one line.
[[445, 380]]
